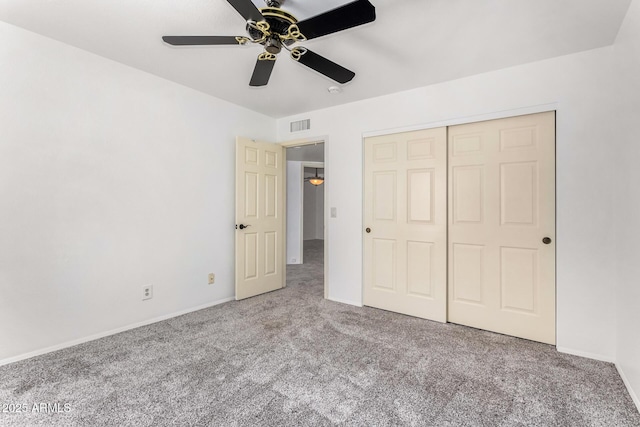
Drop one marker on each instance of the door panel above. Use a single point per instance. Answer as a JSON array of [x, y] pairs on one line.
[[502, 182], [250, 256], [419, 266], [420, 195], [384, 196], [518, 193], [467, 277], [519, 285], [260, 250], [270, 196], [384, 268], [405, 210], [468, 184]]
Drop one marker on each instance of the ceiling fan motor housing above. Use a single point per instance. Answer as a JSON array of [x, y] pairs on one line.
[[273, 45], [279, 22]]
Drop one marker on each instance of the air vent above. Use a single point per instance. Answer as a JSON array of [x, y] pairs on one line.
[[301, 125]]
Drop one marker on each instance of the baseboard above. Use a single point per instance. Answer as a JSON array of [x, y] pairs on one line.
[[110, 332], [586, 354], [626, 382], [602, 358], [342, 301]]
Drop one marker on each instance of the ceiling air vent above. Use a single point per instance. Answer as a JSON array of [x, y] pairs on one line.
[[300, 125]]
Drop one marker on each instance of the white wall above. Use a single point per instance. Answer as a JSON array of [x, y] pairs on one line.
[[579, 86], [627, 207], [110, 179], [309, 209], [319, 192], [294, 205], [313, 209]]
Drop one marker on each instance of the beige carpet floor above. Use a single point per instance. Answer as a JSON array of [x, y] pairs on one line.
[[291, 358]]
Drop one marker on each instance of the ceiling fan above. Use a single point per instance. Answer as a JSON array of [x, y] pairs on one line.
[[275, 29]]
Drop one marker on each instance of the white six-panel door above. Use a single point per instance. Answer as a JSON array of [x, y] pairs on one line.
[[405, 236], [502, 226], [500, 247], [260, 218]]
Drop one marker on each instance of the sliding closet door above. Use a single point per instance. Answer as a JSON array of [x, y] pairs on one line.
[[405, 236], [502, 226]]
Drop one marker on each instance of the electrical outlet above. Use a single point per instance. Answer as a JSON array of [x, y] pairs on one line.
[[147, 292], [212, 278]]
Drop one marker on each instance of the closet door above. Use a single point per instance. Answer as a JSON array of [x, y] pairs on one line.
[[502, 226], [405, 236]]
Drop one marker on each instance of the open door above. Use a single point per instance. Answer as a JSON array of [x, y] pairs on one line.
[[260, 218]]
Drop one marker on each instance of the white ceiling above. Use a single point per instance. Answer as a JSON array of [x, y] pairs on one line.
[[412, 43]]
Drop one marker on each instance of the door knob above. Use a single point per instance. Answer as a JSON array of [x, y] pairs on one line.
[[368, 230], [546, 240], [242, 226]]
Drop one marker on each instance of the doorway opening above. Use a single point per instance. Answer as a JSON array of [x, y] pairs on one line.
[[306, 217]]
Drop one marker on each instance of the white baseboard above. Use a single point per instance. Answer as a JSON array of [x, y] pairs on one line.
[[342, 301], [602, 358], [110, 332], [626, 382], [586, 354]]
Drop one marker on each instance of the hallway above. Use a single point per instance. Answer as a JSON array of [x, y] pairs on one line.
[[310, 274]]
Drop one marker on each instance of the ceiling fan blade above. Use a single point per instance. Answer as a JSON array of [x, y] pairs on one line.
[[348, 16], [247, 9], [322, 65], [263, 69], [201, 40]]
